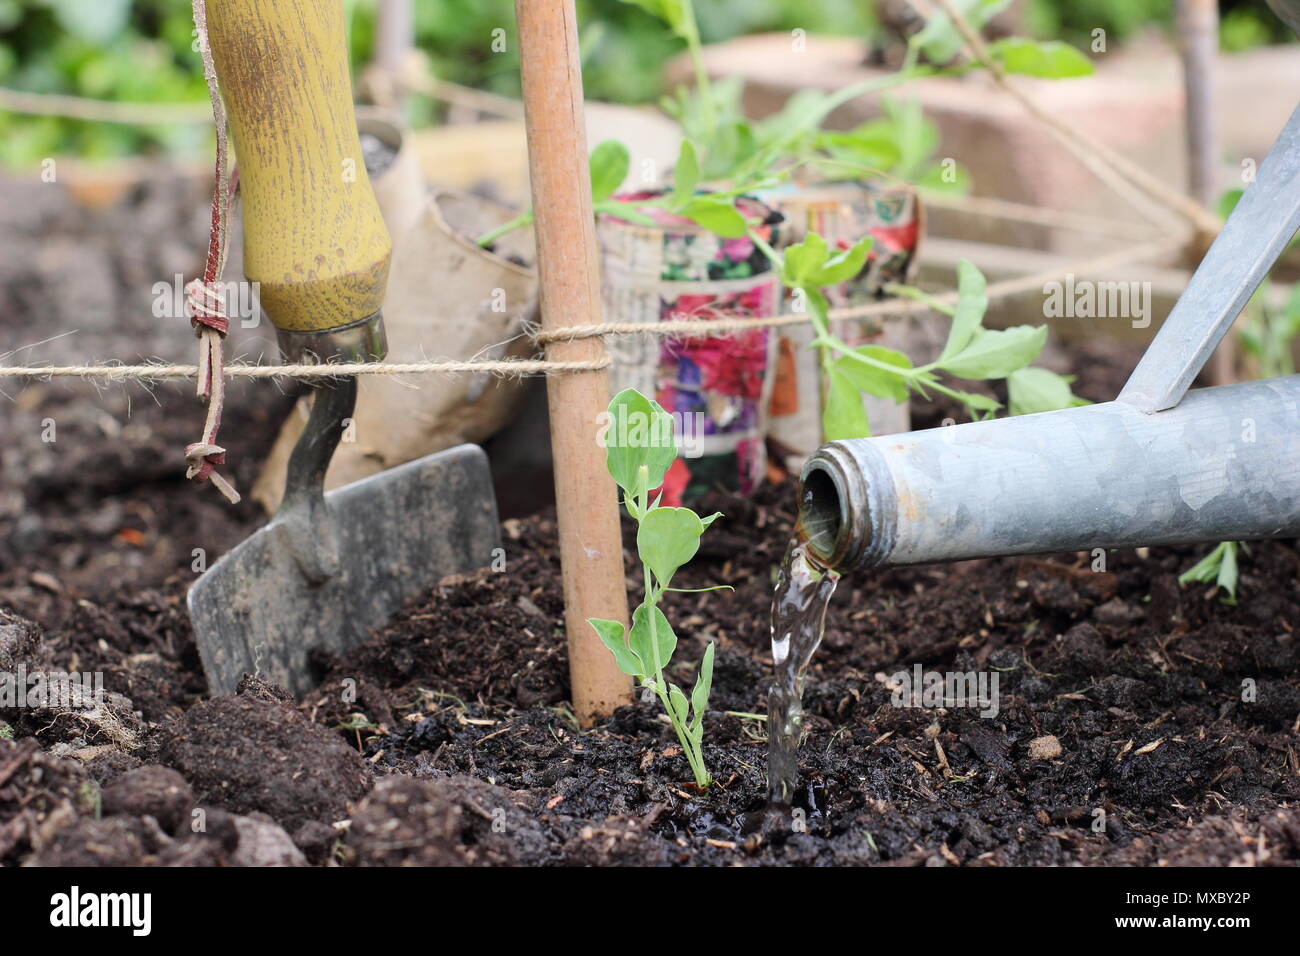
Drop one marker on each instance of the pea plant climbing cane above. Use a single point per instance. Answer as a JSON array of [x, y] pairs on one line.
[[639, 449], [204, 299]]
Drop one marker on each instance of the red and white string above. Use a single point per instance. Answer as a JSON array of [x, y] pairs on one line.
[[204, 297]]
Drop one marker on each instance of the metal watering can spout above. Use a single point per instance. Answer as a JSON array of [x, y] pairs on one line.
[[1224, 465], [1154, 467]]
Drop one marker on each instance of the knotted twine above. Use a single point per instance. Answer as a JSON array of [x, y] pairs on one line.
[[205, 301]]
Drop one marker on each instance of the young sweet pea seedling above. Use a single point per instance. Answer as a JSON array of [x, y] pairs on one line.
[[971, 352], [639, 449]]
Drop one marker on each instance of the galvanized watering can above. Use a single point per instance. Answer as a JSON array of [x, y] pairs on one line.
[[1158, 465]]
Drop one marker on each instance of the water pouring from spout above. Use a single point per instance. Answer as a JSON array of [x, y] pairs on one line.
[[803, 591]]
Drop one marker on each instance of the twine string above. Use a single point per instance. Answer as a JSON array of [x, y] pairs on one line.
[[518, 368]]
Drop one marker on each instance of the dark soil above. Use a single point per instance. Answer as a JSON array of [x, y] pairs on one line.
[[1122, 736], [458, 714]]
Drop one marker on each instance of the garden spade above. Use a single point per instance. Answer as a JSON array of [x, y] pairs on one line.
[[328, 569]]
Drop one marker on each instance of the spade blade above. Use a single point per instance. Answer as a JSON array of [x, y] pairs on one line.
[[398, 533]]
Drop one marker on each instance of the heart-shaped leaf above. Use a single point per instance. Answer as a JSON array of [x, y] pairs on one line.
[[611, 635], [868, 148], [671, 12], [844, 266], [677, 700], [874, 380], [609, 164], [637, 432], [972, 303], [996, 354], [686, 174], [844, 415], [639, 640], [1049, 59], [940, 39], [716, 214], [1031, 390], [703, 684], [804, 260], [666, 539]]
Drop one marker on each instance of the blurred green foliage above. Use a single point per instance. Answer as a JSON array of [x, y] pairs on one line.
[[1074, 20], [125, 50], [142, 51], [624, 48], [1243, 24]]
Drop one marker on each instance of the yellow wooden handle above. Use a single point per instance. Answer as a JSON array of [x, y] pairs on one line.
[[314, 238]]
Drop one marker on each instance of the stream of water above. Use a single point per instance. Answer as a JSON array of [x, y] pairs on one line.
[[803, 591]]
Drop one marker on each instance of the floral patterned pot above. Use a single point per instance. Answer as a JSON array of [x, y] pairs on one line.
[[843, 213], [717, 388]]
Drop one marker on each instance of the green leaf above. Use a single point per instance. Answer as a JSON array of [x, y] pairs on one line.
[[671, 12], [939, 38], [843, 266], [1219, 566], [1291, 315], [873, 380], [804, 260], [686, 174], [1227, 577], [677, 700], [666, 539], [716, 214], [844, 415], [612, 636], [626, 211], [639, 639], [819, 308], [996, 354], [783, 129], [977, 402], [1031, 390], [939, 178], [1048, 59], [703, 684], [710, 519], [972, 303], [918, 137], [732, 144], [872, 148], [609, 164], [1228, 201], [637, 432]]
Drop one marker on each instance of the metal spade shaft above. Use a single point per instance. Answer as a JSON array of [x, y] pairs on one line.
[[1222, 465]]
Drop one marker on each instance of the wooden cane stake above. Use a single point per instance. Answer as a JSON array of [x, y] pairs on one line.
[[591, 552]]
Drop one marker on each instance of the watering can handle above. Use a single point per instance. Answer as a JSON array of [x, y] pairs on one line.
[[1264, 221], [314, 239]]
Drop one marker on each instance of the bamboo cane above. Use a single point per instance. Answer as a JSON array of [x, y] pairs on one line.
[[591, 551]]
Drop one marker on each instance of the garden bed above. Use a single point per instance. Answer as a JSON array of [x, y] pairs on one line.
[[447, 738]]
